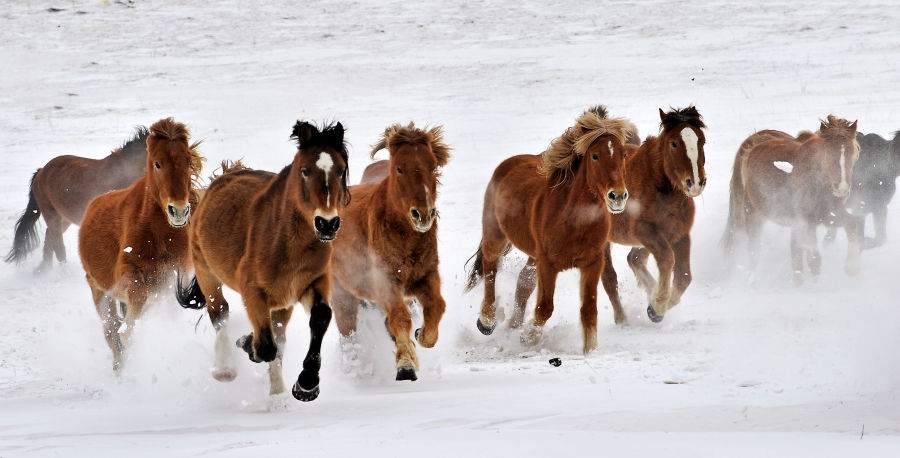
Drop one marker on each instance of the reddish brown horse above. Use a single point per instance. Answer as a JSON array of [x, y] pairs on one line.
[[376, 172], [132, 240], [664, 175], [62, 189], [554, 207], [263, 235], [799, 183], [388, 250]]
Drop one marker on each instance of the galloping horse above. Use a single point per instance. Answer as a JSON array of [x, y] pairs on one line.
[[664, 175], [62, 189], [799, 183], [388, 251], [875, 176], [556, 208], [263, 235], [132, 240]]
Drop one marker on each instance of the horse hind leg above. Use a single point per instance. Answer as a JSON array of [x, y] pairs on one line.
[[492, 250], [611, 286], [280, 319], [524, 288], [546, 287], [53, 240], [259, 344], [217, 307], [637, 260], [796, 257]]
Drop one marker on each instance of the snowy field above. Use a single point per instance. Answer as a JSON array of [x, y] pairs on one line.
[[740, 368]]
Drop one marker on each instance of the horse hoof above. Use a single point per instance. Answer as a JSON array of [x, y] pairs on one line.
[[484, 329], [246, 343], [223, 373], [654, 317], [406, 373], [302, 394]]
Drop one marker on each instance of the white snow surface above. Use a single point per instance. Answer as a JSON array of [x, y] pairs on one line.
[[747, 365]]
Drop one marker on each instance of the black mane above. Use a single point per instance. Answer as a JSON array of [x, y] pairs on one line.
[[688, 115], [138, 142]]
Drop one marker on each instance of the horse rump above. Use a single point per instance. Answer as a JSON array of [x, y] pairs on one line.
[[27, 237]]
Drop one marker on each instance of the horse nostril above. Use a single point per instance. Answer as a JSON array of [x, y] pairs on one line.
[[625, 195], [433, 213], [415, 214], [171, 209], [611, 195]]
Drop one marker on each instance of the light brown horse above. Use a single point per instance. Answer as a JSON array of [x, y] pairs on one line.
[[664, 175], [376, 172], [556, 208], [62, 189], [799, 183], [265, 236], [388, 250], [132, 240]]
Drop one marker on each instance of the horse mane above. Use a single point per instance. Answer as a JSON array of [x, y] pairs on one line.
[[228, 166], [330, 135], [137, 144], [688, 115], [560, 158], [396, 135], [168, 129], [836, 129]]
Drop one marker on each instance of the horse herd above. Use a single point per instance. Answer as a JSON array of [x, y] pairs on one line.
[[304, 235]]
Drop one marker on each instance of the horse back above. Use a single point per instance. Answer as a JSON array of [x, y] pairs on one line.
[[66, 185], [376, 172]]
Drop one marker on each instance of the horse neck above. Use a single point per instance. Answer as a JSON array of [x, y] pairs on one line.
[[283, 190], [810, 157], [386, 203], [660, 171], [577, 189], [121, 170]]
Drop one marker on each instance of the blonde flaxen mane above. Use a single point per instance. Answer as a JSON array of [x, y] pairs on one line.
[[558, 159], [397, 135]]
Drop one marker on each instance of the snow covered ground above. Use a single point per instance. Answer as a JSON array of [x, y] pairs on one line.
[[739, 369]]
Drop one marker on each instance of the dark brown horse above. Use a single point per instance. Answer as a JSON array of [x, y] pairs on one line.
[[264, 235], [556, 208], [387, 252], [664, 175], [62, 189], [132, 240], [795, 182]]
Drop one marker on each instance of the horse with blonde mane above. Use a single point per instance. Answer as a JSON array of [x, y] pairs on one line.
[[388, 251], [133, 240], [269, 237], [799, 183], [555, 207]]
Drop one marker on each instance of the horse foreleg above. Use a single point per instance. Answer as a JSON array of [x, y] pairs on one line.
[[682, 273], [307, 386], [428, 292], [109, 317], [879, 217], [796, 257], [280, 319], [665, 263], [346, 308], [850, 227], [399, 324], [611, 286], [546, 287], [753, 227], [590, 277], [524, 288], [259, 344], [487, 319]]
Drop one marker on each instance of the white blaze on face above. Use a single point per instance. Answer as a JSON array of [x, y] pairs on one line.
[[611, 152], [693, 152], [844, 184], [325, 163]]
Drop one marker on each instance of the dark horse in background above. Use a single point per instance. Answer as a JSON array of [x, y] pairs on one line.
[[874, 185], [62, 189]]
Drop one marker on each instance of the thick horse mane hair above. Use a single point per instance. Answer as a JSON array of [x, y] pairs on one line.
[[330, 135], [834, 128], [168, 129], [560, 158], [688, 115], [137, 143], [228, 166], [396, 135]]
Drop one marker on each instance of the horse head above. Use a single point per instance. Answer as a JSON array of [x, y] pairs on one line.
[[319, 176], [595, 148], [416, 155], [682, 142], [841, 151], [172, 166]]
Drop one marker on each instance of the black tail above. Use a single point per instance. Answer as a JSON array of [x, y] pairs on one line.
[[475, 273], [27, 237], [190, 297]]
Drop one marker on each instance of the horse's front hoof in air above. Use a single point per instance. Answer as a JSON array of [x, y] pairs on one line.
[[654, 317], [406, 373], [485, 329], [223, 373], [304, 395]]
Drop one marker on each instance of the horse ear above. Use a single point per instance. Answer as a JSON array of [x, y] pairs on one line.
[[853, 125], [335, 135], [821, 125], [662, 115], [304, 132]]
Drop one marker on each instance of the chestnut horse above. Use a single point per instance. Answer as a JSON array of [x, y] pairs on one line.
[[664, 175], [799, 183], [264, 235], [387, 253], [62, 189], [556, 208], [132, 240]]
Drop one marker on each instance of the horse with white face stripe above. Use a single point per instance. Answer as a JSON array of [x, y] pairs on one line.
[[664, 174], [810, 192]]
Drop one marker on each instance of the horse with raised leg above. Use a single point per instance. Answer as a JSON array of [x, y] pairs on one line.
[[388, 251], [555, 207], [132, 240], [268, 236]]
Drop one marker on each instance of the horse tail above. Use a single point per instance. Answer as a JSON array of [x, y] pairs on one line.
[[475, 273], [736, 205], [190, 297], [27, 237]]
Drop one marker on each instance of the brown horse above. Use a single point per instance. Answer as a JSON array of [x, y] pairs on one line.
[[388, 251], [376, 172], [132, 240], [664, 175], [799, 183], [554, 207], [263, 235], [62, 189]]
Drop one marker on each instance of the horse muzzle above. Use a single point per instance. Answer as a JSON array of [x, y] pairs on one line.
[[422, 220], [692, 189], [615, 202], [327, 227], [178, 215], [840, 190]]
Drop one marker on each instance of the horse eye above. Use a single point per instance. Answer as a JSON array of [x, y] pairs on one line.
[[674, 145], [156, 164], [399, 171], [594, 157], [305, 172]]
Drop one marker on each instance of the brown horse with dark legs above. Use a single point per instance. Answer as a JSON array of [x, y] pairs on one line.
[[62, 189], [387, 253], [265, 236], [133, 240], [664, 175], [556, 208], [795, 182]]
